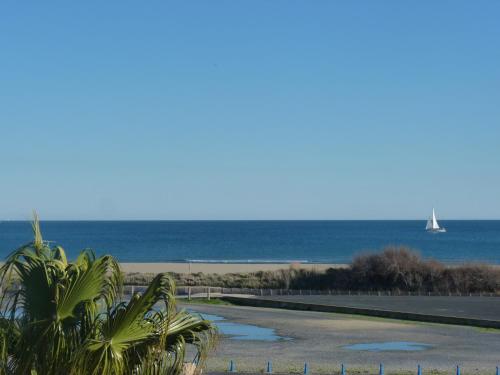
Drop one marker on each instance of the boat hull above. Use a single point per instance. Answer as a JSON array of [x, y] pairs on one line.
[[440, 230]]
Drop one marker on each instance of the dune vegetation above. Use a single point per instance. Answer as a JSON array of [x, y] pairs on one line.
[[398, 269]]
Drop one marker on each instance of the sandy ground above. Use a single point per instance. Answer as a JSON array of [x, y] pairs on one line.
[[319, 339], [220, 268]]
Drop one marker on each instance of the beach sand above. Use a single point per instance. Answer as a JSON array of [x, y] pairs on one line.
[[220, 268]]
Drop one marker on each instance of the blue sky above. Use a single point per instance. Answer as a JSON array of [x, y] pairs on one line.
[[250, 109]]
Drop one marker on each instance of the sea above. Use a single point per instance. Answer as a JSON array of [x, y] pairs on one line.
[[333, 241]]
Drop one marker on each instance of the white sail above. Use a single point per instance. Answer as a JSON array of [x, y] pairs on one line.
[[432, 224], [429, 224], [435, 224]]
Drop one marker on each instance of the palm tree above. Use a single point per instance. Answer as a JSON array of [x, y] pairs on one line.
[[61, 317]]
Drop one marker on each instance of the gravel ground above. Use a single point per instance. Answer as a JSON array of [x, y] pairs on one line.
[[319, 338]]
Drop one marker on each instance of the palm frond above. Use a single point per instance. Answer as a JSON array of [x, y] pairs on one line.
[[37, 233], [67, 317], [85, 284]]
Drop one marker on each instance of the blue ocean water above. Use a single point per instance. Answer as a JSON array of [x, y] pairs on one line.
[[260, 241]]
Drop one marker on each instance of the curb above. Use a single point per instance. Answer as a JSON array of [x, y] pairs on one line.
[[442, 319]]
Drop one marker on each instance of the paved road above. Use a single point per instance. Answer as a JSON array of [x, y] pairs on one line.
[[467, 307], [321, 339]]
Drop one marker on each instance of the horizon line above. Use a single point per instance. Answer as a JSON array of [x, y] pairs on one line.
[[246, 220]]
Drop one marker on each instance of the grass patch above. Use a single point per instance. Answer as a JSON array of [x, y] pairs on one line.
[[413, 322], [488, 330], [205, 301], [408, 322]]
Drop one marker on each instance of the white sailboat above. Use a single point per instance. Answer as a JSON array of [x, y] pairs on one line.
[[432, 224]]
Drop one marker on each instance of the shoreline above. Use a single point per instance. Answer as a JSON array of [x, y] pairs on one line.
[[227, 268], [221, 268]]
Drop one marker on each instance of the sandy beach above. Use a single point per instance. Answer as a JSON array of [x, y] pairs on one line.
[[220, 268]]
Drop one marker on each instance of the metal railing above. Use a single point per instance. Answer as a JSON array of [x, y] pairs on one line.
[[198, 290]]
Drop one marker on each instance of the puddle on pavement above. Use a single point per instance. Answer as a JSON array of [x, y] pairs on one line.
[[238, 331], [406, 346]]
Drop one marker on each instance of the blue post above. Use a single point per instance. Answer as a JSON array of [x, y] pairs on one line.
[[498, 372], [458, 370], [419, 370], [232, 367], [306, 369], [342, 370], [269, 367], [381, 370]]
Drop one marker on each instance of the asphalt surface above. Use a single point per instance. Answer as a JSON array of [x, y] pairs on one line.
[[467, 307], [320, 339]]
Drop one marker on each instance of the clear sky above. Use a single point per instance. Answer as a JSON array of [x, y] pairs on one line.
[[249, 109]]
